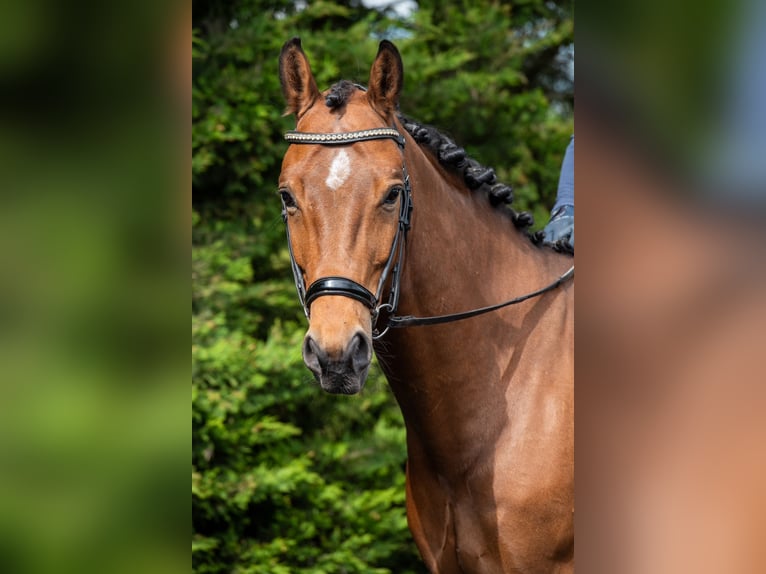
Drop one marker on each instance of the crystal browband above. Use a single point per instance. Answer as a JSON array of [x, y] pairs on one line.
[[344, 137]]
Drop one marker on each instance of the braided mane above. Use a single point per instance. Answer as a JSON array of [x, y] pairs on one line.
[[475, 175], [455, 158]]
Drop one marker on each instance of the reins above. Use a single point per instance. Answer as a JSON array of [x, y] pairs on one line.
[[344, 287], [410, 321]]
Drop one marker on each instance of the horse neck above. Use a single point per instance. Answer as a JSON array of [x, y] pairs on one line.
[[462, 253]]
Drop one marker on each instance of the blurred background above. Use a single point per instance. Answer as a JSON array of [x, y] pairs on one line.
[[670, 433], [285, 478], [94, 430], [94, 235]]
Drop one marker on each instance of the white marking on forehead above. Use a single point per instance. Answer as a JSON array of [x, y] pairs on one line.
[[340, 169]]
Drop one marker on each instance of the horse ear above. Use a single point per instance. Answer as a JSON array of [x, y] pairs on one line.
[[386, 79], [298, 84]]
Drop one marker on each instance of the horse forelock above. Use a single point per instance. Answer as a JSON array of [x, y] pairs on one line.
[[338, 94]]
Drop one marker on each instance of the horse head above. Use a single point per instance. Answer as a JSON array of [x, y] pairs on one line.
[[342, 197]]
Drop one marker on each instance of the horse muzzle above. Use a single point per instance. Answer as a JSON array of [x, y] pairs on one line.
[[343, 370]]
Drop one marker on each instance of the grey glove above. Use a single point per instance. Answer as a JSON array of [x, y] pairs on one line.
[[561, 226]]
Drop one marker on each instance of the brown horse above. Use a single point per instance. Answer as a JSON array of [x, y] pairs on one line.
[[379, 228]]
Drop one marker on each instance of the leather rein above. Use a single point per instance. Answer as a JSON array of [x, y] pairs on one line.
[[344, 287]]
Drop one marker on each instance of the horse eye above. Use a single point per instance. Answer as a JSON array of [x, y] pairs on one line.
[[393, 195], [287, 199]]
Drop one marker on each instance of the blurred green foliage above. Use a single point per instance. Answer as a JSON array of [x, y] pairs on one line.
[[93, 408], [286, 479]]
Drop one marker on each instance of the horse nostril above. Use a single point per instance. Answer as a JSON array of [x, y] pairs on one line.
[[359, 352], [315, 358]]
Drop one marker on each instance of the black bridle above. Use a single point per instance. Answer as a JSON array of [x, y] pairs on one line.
[[344, 287]]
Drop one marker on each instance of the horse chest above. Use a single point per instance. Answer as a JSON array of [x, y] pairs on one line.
[[454, 532], [472, 526]]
